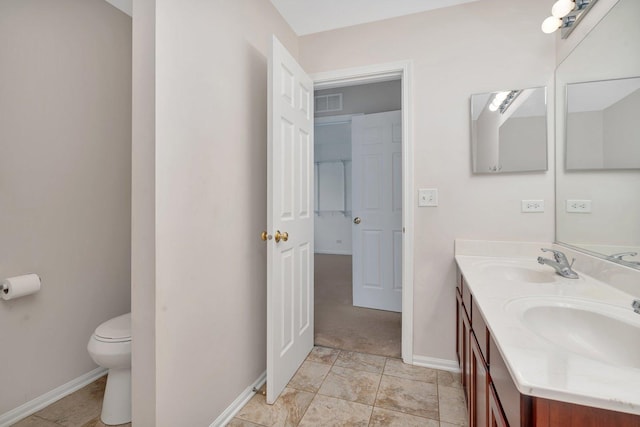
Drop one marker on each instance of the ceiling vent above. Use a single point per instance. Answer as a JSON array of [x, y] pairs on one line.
[[327, 103]]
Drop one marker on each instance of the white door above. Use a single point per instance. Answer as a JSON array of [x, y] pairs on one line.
[[289, 219], [377, 210]]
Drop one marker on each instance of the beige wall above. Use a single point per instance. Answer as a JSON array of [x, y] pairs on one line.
[[143, 222], [520, 144], [210, 204], [473, 48], [622, 134], [65, 176]]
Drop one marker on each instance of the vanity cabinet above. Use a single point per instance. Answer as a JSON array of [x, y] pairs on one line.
[[493, 399], [472, 346]]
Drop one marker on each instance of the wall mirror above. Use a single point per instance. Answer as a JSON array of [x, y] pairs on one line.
[[602, 124], [597, 185], [509, 131]]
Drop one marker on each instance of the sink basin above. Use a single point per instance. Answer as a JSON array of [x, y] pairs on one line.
[[523, 274], [597, 331], [517, 270]]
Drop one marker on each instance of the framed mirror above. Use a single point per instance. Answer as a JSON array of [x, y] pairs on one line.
[[597, 167], [509, 131]]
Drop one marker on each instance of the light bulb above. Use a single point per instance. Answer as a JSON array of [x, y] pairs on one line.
[[499, 97], [561, 8], [493, 107], [551, 24]]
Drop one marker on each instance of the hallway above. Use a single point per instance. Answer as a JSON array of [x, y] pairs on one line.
[[338, 324]]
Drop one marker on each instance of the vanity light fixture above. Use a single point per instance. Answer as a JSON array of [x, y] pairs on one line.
[[502, 100], [566, 14]]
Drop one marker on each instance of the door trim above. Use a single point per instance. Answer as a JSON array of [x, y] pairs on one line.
[[380, 73]]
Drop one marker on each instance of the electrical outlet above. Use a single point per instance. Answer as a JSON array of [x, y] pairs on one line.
[[579, 206], [533, 206], [428, 197]]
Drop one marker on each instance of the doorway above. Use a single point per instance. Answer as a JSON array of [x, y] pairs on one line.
[[358, 224]]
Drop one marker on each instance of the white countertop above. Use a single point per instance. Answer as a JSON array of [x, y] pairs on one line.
[[538, 367]]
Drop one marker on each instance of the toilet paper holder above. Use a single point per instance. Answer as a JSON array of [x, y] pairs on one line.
[[3, 288]]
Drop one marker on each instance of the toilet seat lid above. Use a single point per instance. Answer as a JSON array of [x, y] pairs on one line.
[[118, 328]]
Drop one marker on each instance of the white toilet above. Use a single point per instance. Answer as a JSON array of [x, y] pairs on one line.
[[110, 347]]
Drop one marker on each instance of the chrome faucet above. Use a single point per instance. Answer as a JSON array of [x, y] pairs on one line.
[[619, 257], [561, 264]]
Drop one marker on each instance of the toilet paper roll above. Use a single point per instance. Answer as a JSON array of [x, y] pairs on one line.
[[19, 286]]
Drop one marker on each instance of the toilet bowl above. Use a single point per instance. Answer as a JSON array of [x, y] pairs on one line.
[[110, 347]]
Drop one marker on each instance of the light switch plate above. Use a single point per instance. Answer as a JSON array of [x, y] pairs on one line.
[[533, 206], [427, 197], [579, 206]]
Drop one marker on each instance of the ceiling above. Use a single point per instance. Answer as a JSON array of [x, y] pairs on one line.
[[124, 5], [313, 16], [597, 96]]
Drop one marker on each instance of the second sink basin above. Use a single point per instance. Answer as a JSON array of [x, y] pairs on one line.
[[597, 331]]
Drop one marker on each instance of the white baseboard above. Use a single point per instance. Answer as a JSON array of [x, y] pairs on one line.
[[435, 363], [40, 402], [239, 403], [331, 252]]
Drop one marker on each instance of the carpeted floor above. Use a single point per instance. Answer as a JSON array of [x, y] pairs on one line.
[[338, 324]]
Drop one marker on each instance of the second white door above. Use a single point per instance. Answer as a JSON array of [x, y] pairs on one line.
[[377, 210]]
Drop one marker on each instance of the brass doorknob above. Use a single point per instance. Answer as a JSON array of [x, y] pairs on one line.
[[264, 236], [357, 220], [284, 236]]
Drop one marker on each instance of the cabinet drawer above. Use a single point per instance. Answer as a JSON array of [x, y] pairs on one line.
[[479, 327]]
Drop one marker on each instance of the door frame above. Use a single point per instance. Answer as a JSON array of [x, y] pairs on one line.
[[380, 73]]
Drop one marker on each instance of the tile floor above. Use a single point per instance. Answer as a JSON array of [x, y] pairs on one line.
[[331, 388], [79, 409], [343, 388]]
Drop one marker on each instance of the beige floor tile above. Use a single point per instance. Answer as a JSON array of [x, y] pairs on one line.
[[411, 397], [309, 376], [287, 411], [452, 406], [237, 422], [449, 379], [324, 355], [443, 424], [385, 418], [77, 409], [397, 368], [98, 423], [34, 421], [352, 385], [361, 361], [329, 411]]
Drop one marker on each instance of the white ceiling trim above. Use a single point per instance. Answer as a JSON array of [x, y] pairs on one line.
[[313, 16], [124, 5]]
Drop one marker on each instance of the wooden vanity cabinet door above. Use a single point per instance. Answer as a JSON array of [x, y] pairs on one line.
[[459, 330], [479, 415], [496, 417], [465, 363]]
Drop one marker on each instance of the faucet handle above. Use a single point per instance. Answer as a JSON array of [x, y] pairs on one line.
[[620, 255], [556, 254]]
